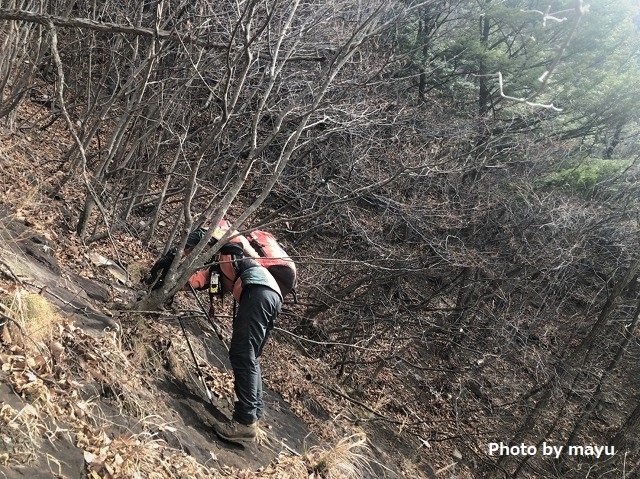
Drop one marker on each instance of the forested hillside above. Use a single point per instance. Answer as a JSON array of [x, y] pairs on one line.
[[458, 182]]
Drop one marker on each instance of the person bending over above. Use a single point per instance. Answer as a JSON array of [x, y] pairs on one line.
[[259, 303]]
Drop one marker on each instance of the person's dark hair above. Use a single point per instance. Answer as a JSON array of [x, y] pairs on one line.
[[233, 249]]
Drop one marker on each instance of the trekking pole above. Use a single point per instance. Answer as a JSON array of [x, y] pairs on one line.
[[206, 314], [195, 360], [234, 309]]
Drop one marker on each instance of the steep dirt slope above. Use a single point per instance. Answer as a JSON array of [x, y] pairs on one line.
[[131, 377], [106, 368]]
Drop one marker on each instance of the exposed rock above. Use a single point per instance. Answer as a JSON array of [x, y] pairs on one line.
[[189, 415]]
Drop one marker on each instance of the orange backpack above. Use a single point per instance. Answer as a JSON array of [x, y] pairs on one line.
[[275, 259], [266, 250]]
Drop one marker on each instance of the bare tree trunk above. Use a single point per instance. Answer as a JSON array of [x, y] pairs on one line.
[[597, 398], [567, 372], [484, 94], [17, 65], [630, 430], [153, 224], [116, 139], [597, 329]]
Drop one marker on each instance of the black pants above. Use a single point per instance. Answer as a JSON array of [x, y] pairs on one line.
[[257, 311]]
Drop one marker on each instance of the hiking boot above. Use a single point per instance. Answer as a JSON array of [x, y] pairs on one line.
[[233, 431]]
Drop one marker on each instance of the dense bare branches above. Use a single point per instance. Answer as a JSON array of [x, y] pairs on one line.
[[20, 54], [473, 256]]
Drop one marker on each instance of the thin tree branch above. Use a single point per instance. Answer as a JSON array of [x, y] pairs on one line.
[[107, 27]]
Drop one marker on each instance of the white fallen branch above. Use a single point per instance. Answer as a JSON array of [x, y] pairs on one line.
[[580, 7], [549, 16], [549, 106]]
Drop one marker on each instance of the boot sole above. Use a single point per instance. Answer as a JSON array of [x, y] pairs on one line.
[[236, 440]]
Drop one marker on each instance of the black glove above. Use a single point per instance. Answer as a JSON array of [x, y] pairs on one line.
[[195, 237], [159, 270]]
